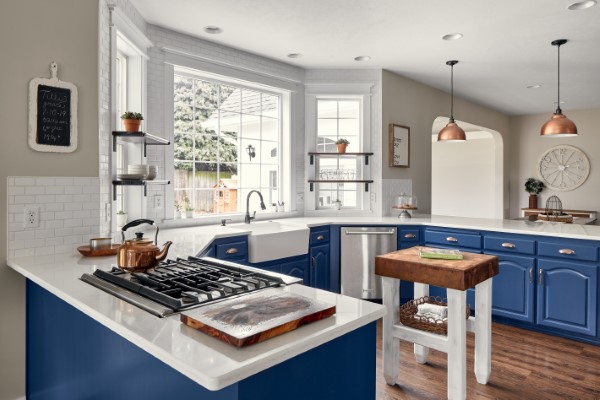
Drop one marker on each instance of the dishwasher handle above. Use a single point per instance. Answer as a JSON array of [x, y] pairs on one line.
[[390, 232]]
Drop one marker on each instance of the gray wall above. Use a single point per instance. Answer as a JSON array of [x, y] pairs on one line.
[[528, 146], [32, 34], [409, 103]]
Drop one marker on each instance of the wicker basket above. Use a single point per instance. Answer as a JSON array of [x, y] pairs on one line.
[[408, 315]]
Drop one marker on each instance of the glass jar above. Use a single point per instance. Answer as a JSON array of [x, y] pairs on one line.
[[405, 202]]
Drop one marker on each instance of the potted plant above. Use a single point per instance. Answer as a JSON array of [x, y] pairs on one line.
[[337, 204], [533, 187], [121, 219], [132, 121], [189, 211], [341, 145]]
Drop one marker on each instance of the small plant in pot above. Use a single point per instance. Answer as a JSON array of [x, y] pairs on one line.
[[132, 121], [189, 211], [533, 187], [337, 204], [121, 219], [341, 145]]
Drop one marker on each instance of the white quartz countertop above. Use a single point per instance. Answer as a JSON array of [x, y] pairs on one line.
[[206, 360], [194, 240]]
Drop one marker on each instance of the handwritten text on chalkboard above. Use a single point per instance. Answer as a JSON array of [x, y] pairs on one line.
[[53, 116]]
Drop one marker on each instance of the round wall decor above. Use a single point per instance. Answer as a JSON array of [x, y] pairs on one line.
[[563, 167]]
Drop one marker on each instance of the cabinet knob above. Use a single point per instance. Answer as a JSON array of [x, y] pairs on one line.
[[410, 236], [508, 245], [232, 250], [567, 251], [320, 237], [451, 239]]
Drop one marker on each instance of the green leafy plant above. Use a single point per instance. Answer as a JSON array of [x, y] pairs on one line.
[[534, 186], [342, 141], [132, 115]]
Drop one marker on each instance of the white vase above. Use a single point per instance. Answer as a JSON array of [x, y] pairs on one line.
[[121, 220]]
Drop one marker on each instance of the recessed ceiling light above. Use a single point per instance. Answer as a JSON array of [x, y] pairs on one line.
[[213, 30], [294, 55], [536, 86], [582, 5], [452, 36], [362, 58]]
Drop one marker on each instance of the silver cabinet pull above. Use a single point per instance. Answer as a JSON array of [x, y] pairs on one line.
[[531, 275], [320, 237], [451, 239], [410, 236], [541, 274], [567, 251], [232, 250], [508, 245]]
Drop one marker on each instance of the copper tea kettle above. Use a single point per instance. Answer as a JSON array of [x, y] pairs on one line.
[[140, 254]]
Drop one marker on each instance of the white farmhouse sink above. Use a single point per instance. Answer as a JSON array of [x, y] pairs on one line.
[[271, 240]]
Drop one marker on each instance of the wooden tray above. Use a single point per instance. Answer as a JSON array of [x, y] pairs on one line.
[[256, 317], [87, 252]]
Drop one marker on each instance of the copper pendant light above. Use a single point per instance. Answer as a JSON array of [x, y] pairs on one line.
[[451, 132], [559, 125]]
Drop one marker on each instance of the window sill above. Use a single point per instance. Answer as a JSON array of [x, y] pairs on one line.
[[216, 220]]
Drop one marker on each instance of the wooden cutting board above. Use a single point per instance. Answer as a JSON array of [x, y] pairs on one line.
[[256, 317]]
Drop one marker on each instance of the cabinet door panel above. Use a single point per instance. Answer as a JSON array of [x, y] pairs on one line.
[[513, 288], [298, 269], [319, 266], [567, 296]]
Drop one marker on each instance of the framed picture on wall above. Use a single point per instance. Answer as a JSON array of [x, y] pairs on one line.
[[399, 146]]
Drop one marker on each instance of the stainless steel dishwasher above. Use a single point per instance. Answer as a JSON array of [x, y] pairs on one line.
[[359, 246]]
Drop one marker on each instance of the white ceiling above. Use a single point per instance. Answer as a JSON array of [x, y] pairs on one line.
[[506, 43]]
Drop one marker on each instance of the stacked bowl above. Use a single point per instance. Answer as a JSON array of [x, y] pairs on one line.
[[152, 172], [140, 170]]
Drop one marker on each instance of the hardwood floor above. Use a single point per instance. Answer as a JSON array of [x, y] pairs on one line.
[[525, 365]]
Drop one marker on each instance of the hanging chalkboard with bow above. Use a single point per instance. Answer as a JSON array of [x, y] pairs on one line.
[[52, 114]]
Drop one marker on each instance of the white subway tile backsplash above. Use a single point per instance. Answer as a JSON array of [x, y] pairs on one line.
[[69, 214]]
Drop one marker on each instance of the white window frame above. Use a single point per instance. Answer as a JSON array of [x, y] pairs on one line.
[[286, 179], [336, 91]]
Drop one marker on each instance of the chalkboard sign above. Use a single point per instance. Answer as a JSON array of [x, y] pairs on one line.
[[52, 114]]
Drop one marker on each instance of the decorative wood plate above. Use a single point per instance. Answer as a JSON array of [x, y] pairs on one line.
[[86, 251]]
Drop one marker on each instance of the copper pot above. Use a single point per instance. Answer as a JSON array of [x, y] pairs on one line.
[[140, 254]]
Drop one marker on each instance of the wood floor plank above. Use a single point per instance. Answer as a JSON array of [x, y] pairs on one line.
[[525, 365]]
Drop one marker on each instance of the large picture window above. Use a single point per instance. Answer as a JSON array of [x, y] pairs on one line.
[[337, 119], [227, 142]]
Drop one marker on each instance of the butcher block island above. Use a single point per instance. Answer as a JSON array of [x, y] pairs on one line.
[[100, 346]]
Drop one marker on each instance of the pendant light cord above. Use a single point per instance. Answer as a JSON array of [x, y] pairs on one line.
[[558, 110], [452, 93]]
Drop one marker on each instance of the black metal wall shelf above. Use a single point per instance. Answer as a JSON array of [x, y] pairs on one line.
[[139, 137], [365, 181], [312, 156], [136, 182]]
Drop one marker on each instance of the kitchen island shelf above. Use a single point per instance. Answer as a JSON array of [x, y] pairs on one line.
[[136, 182], [138, 137]]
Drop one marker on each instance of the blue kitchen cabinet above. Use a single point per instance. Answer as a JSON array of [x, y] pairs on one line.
[[513, 288], [408, 236], [319, 266], [234, 249], [567, 296], [297, 268]]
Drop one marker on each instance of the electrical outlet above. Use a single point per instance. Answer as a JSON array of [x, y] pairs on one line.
[[158, 201], [31, 217], [373, 197]]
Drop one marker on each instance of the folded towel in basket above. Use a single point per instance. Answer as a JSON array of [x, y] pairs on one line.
[[432, 311]]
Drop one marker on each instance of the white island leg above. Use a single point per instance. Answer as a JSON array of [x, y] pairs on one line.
[[457, 345], [421, 352], [483, 331], [391, 346]]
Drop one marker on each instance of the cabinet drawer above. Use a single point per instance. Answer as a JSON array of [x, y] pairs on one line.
[[319, 236], [447, 238], [568, 250], [408, 235], [509, 244], [228, 251]]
